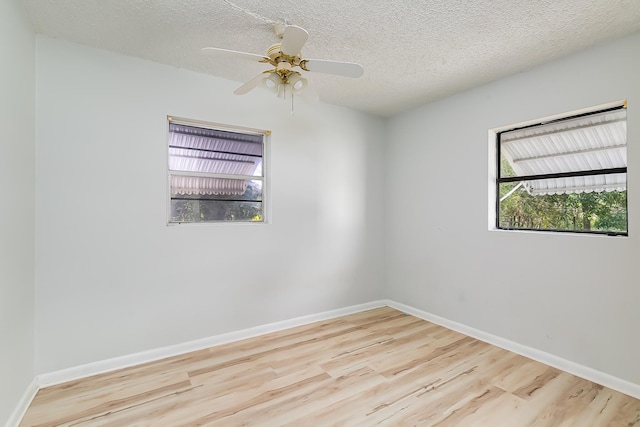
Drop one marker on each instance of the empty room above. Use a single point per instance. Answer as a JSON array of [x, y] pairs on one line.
[[306, 213]]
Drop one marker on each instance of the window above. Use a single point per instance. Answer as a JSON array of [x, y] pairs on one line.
[[567, 174], [215, 174]]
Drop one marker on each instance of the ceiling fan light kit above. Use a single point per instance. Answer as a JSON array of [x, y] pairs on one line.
[[286, 78]]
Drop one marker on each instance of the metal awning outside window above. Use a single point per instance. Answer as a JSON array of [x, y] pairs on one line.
[[580, 154], [212, 162]]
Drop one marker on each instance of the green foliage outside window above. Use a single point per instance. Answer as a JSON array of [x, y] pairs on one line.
[[203, 208], [595, 211]]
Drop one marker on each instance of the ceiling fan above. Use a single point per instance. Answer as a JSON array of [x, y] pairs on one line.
[[286, 75]]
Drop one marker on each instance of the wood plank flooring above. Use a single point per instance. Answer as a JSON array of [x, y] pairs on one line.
[[378, 367]]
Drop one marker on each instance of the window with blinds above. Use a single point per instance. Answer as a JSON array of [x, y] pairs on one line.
[[215, 174], [567, 174]]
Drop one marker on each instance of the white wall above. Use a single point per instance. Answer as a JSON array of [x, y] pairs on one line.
[[114, 279], [17, 177], [572, 296]]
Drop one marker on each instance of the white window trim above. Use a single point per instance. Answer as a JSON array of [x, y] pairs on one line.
[[492, 135], [266, 171]]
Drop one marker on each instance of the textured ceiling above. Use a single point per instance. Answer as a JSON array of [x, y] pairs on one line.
[[412, 51]]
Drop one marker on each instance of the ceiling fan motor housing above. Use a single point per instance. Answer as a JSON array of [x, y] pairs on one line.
[[275, 53]]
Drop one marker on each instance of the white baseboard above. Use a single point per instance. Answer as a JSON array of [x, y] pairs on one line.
[[576, 369], [25, 400], [108, 365], [82, 371]]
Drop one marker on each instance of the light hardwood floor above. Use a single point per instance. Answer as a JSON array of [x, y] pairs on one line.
[[377, 367]]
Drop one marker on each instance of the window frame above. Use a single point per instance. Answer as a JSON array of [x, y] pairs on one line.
[[497, 133], [264, 178]]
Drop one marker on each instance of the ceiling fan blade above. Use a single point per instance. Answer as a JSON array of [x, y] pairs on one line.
[[255, 81], [233, 54], [293, 39], [346, 69]]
